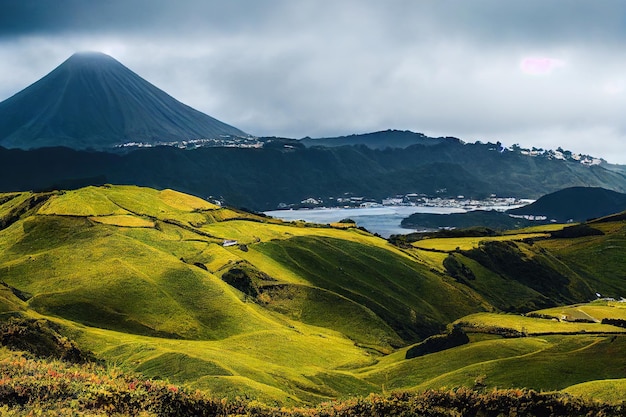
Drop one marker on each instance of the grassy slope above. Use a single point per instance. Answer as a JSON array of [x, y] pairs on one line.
[[574, 359], [466, 243], [599, 259], [52, 387], [595, 311], [101, 276], [134, 263], [390, 285], [533, 326], [609, 390], [526, 271], [594, 263]]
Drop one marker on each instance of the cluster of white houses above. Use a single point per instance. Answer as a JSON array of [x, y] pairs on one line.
[[411, 199]]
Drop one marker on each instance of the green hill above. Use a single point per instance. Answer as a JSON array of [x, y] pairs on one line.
[[576, 204], [234, 304], [121, 265]]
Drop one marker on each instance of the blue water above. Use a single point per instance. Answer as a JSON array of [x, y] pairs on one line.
[[382, 220]]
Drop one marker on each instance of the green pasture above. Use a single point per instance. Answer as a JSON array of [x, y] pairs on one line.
[[596, 311], [466, 243], [565, 361], [609, 390], [487, 322]]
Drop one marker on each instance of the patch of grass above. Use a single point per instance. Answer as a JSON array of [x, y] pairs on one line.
[[12, 205], [180, 368], [502, 293], [90, 201], [608, 390], [433, 259], [598, 259], [467, 243], [312, 306], [575, 359], [9, 302], [250, 232], [123, 221], [534, 268], [531, 326], [545, 228], [272, 361], [591, 311], [408, 374], [184, 202]]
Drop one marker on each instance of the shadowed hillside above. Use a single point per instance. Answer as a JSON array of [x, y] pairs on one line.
[[262, 178]]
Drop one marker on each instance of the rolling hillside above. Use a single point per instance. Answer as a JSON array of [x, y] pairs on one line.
[[234, 304]]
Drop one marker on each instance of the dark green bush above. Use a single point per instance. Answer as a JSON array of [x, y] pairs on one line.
[[437, 343]]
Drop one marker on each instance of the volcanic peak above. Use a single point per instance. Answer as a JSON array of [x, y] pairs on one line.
[[93, 101]]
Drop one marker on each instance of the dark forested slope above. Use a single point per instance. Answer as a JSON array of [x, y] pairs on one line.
[[262, 178]]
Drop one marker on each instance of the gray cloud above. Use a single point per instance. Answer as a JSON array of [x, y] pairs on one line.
[[320, 68]]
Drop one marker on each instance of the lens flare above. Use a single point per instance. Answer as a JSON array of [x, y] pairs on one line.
[[540, 66]]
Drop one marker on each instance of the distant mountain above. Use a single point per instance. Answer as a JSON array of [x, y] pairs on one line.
[[575, 204], [262, 178], [93, 101], [379, 140]]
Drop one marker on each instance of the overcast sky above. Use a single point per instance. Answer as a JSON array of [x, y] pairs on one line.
[[541, 73]]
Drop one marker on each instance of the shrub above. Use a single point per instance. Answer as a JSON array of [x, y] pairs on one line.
[[579, 230], [437, 343], [42, 339]]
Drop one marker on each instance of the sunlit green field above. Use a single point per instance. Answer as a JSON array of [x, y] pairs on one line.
[[610, 390], [533, 326], [595, 311], [466, 243]]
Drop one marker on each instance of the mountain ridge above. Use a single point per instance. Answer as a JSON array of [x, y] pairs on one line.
[[261, 179], [383, 139]]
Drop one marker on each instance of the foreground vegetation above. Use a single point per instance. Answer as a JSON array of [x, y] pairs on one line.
[[44, 387], [194, 302]]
